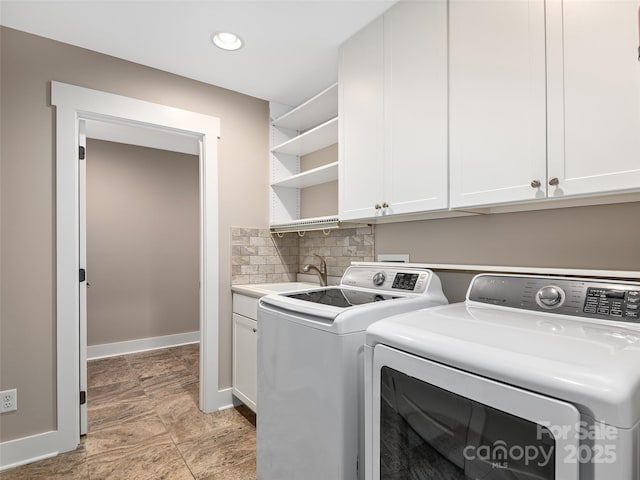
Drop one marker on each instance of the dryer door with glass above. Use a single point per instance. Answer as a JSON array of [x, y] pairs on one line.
[[434, 421]]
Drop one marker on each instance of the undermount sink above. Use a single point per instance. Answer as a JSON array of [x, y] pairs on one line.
[[285, 286], [257, 290]]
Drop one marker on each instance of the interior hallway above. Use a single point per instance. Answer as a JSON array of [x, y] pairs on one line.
[[144, 423]]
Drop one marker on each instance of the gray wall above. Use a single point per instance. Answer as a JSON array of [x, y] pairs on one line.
[[603, 237], [142, 242], [27, 146]]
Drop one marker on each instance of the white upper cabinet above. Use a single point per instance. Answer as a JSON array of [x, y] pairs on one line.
[[415, 107], [530, 100], [502, 141], [361, 132], [594, 96], [497, 101], [393, 114]]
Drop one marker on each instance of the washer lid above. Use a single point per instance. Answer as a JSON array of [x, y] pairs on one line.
[[342, 320], [593, 365], [340, 297]]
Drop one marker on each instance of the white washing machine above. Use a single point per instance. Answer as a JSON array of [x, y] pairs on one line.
[[531, 377], [311, 368]]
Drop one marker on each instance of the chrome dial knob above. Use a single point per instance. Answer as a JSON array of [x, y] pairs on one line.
[[550, 296], [379, 278]]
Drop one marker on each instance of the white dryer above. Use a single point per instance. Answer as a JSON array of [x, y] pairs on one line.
[[311, 368], [530, 378]]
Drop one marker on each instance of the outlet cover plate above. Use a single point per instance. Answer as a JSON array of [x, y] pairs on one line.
[[8, 400]]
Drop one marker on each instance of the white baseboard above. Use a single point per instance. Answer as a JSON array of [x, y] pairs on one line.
[[226, 399], [141, 345], [28, 449]]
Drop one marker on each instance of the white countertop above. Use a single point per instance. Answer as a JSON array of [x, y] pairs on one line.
[[258, 290]]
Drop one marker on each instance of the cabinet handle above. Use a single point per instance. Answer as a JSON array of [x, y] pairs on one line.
[[535, 184], [554, 181], [377, 206], [385, 205]]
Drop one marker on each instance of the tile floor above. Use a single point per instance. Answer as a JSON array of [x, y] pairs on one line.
[[144, 423]]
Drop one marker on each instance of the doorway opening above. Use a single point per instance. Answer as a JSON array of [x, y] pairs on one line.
[[142, 263], [146, 124]]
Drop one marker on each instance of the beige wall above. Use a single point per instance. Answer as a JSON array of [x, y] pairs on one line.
[[28, 64], [596, 237], [319, 200], [142, 242]]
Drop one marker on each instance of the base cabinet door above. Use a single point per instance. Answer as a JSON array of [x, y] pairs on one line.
[[245, 360], [594, 96], [497, 101]]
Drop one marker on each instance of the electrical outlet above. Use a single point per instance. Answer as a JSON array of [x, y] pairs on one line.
[[9, 401]]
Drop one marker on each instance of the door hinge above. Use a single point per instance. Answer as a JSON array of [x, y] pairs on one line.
[[83, 398], [81, 152], [83, 275]]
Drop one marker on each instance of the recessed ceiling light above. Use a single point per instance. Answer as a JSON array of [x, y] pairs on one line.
[[226, 41]]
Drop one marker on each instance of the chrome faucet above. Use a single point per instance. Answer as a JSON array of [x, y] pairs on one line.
[[320, 272]]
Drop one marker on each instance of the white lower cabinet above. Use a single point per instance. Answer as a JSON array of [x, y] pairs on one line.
[[245, 346], [393, 114]]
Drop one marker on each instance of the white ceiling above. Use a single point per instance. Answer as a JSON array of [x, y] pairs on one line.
[[290, 46]]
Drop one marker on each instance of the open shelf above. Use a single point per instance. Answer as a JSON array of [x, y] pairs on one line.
[[315, 139], [312, 112], [315, 176], [301, 131]]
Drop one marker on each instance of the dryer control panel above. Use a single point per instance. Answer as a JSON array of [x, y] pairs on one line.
[[590, 298]]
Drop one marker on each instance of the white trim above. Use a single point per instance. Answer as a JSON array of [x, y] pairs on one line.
[[75, 103], [141, 345], [27, 449], [230, 400], [143, 137], [393, 257], [578, 272]]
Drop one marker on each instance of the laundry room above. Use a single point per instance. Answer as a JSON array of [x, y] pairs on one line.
[[323, 240]]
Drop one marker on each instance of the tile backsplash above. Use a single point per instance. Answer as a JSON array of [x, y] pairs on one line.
[[257, 256], [339, 248]]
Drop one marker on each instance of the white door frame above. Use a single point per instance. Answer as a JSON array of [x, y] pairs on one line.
[[82, 263], [73, 104]]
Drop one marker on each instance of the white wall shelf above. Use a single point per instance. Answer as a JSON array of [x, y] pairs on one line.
[[315, 176], [311, 141], [312, 112], [296, 132]]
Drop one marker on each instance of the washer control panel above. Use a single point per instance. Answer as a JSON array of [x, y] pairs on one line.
[[380, 278], [613, 302], [590, 298], [550, 297]]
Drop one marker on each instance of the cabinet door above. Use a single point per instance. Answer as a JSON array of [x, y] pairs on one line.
[[594, 96], [361, 138], [415, 104], [245, 360], [497, 101]]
